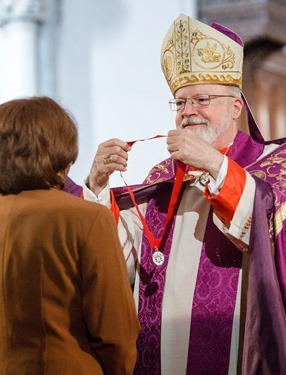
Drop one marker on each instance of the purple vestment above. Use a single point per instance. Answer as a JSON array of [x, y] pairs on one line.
[[71, 187], [263, 343]]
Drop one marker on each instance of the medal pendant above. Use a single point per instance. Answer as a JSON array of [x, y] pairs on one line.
[[158, 258]]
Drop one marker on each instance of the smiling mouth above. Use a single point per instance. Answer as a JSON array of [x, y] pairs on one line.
[[192, 125]]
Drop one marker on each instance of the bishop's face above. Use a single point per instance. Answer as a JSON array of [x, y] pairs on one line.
[[211, 111]]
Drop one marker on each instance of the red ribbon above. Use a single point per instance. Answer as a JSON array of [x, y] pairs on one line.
[[153, 241], [131, 143]]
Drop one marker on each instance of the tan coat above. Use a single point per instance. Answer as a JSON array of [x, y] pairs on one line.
[[66, 306]]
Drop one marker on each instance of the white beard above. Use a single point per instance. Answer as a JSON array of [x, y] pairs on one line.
[[209, 132]]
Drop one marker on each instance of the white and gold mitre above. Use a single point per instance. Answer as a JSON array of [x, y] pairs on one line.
[[194, 53]]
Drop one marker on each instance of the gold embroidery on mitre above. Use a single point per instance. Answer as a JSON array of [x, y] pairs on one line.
[[191, 56], [209, 54]]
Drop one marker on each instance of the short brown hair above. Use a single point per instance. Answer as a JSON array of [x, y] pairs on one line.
[[38, 139]]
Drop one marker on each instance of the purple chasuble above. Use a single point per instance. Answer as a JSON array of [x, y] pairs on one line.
[[264, 350], [216, 286], [152, 280], [215, 292], [72, 188], [213, 304]]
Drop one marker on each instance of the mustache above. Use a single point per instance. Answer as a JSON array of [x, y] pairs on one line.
[[193, 121]]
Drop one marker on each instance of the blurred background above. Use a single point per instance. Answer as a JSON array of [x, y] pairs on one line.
[[100, 59]]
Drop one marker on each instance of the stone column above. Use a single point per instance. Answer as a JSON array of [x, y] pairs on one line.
[[19, 23]]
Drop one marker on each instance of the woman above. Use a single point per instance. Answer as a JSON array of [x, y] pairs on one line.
[[62, 307]]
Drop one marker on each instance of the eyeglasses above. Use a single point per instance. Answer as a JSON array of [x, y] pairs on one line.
[[178, 104]]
